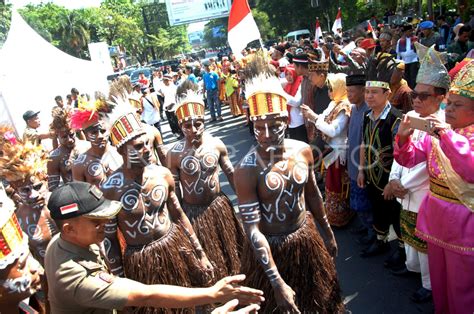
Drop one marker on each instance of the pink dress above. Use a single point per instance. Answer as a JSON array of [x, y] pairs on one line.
[[443, 221]]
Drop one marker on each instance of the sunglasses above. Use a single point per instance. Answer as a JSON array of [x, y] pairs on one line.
[[421, 96]]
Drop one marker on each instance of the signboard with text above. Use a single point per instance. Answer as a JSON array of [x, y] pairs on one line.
[[191, 11]]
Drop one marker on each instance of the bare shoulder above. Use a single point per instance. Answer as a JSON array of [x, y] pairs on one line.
[[248, 163], [54, 154], [177, 148], [295, 147], [114, 182]]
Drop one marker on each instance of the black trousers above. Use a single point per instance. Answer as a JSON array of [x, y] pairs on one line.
[[173, 121], [299, 133], [385, 212]]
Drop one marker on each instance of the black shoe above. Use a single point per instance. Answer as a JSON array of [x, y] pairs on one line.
[[401, 272], [378, 247], [421, 296], [397, 259], [359, 231], [366, 240]]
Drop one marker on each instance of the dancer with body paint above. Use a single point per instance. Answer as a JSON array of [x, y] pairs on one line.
[[161, 246], [19, 271], [62, 158], [98, 162], [194, 163], [23, 165], [275, 184]]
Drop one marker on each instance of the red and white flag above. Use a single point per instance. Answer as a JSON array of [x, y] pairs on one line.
[[242, 28], [318, 34], [371, 30], [337, 26]]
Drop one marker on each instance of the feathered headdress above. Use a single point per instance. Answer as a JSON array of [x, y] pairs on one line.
[[7, 135], [20, 161], [61, 119], [190, 103], [125, 123], [380, 70], [263, 90], [88, 112]]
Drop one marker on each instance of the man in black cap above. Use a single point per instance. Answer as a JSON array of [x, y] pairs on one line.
[[31, 133], [79, 278], [359, 200]]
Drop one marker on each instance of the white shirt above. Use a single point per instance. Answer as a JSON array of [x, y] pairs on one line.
[[415, 179], [150, 113], [337, 133], [296, 115], [408, 56], [169, 93]]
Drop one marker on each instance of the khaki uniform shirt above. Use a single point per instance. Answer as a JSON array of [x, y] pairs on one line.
[[31, 135], [79, 281]]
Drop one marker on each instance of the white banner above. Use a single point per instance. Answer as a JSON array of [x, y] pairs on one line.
[[191, 11], [100, 54]]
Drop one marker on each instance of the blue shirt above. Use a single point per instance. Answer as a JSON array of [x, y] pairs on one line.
[[356, 124], [193, 78], [210, 80]]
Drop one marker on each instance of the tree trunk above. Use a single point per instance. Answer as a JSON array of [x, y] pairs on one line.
[[429, 5]]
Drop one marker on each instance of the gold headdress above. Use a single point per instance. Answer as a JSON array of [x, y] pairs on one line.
[[263, 90], [190, 102], [13, 242], [125, 122], [318, 64], [463, 82], [20, 161]]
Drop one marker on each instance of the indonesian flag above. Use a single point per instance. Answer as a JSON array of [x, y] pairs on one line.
[[371, 29], [337, 23], [242, 28], [318, 34]]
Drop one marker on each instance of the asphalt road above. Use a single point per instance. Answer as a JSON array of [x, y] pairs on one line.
[[366, 285]]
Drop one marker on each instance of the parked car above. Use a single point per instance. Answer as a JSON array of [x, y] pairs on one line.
[[298, 34]]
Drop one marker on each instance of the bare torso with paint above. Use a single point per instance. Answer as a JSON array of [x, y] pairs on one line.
[[197, 170], [38, 226], [144, 217], [280, 189], [61, 162], [94, 169]]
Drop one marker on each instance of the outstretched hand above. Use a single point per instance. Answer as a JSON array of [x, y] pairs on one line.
[[230, 306], [229, 288], [404, 130]]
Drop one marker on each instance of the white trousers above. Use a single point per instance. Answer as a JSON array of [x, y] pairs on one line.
[[418, 262]]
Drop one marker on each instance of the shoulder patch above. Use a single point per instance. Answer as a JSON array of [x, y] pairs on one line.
[[105, 276], [90, 265]]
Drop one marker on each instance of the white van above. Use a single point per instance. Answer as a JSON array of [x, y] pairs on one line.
[[297, 35]]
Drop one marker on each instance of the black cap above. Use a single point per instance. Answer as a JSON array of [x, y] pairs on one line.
[[355, 80], [280, 48], [300, 58], [76, 199], [30, 114]]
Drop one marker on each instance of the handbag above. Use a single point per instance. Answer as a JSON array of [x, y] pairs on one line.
[[320, 148]]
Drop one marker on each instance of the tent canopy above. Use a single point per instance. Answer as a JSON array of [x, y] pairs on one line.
[[33, 72]]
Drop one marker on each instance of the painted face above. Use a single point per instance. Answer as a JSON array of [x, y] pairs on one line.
[[138, 152], [269, 132], [21, 279], [32, 191], [193, 130], [67, 138], [459, 111], [97, 135], [376, 96]]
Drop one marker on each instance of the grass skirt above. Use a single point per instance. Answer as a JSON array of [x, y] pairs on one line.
[[304, 264], [170, 260], [219, 233]]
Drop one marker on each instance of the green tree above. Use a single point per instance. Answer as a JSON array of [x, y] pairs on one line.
[[5, 17], [74, 33], [267, 31]]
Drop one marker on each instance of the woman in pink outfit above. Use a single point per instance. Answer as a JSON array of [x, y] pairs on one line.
[[446, 215]]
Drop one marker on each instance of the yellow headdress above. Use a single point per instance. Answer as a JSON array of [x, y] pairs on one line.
[[463, 82], [190, 105], [13, 242], [263, 90]]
